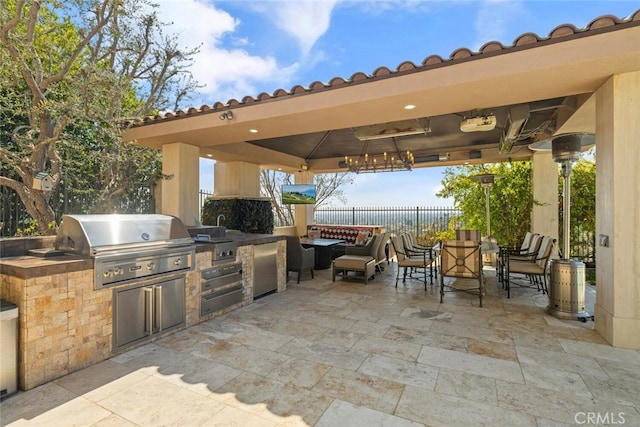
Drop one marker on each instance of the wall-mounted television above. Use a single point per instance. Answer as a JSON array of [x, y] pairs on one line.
[[299, 194]]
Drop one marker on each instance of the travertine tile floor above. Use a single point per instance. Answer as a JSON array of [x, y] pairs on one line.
[[342, 354]]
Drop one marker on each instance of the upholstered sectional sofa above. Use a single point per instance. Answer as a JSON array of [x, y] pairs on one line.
[[351, 234]]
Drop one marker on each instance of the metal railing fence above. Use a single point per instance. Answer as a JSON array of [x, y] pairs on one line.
[[419, 220], [14, 215]]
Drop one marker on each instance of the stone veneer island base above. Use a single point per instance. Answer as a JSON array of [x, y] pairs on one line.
[[66, 325]]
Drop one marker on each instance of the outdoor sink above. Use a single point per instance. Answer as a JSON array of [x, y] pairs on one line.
[[211, 231]]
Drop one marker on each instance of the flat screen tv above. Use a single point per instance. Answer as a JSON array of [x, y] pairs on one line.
[[299, 194]]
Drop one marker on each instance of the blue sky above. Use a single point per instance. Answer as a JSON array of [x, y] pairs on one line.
[[254, 46]]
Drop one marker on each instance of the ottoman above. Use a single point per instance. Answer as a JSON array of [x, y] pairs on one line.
[[357, 263]]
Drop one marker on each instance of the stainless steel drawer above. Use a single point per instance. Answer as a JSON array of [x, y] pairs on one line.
[[215, 301]]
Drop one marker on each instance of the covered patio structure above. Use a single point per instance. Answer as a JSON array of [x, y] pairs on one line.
[[572, 80]]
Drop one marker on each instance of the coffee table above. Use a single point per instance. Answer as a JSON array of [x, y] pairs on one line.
[[324, 252]]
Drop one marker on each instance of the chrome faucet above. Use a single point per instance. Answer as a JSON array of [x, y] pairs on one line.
[[218, 219]]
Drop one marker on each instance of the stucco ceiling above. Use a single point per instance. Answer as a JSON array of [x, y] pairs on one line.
[[555, 77]]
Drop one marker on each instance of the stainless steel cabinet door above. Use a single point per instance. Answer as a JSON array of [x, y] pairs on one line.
[[132, 316], [265, 273], [143, 310], [169, 304]]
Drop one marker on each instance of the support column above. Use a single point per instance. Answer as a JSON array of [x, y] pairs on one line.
[[617, 310], [180, 193], [544, 218], [303, 213]]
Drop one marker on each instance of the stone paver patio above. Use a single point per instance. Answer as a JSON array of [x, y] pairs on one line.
[[345, 354]]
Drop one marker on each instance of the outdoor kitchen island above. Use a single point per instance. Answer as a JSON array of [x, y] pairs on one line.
[[65, 324]]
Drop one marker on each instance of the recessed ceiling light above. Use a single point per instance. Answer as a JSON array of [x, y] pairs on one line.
[[209, 155], [253, 130], [409, 107]]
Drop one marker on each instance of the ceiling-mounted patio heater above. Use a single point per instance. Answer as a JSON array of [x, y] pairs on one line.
[[567, 276]]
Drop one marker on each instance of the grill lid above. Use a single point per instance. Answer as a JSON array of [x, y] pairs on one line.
[[92, 235]]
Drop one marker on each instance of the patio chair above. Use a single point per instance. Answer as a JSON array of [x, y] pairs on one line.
[[461, 259], [370, 248], [414, 249], [408, 262], [473, 235], [383, 252], [299, 258], [527, 251], [534, 269]]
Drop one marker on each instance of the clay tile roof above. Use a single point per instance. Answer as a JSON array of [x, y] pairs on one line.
[[298, 89], [316, 86], [337, 81], [492, 47], [406, 66], [432, 60], [523, 41], [359, 76]]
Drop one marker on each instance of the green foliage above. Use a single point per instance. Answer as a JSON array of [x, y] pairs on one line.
[[511, 202], [246, 215], [436, 236], [511, 199], [28, 228], [583, 208], [71, 73]]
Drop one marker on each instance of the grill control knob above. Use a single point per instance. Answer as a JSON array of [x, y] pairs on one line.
[[230, 253], [177, 261], [151, 266]]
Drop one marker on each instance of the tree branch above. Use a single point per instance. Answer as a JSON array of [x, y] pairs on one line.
[[103, 15]]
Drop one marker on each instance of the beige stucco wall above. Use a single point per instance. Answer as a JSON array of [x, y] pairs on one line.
[[236, 179], [617, 310]]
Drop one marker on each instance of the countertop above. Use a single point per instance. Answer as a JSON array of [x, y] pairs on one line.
[[242, 239], [29, 266]]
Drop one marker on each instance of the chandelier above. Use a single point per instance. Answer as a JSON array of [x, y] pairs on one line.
[[385, 163]]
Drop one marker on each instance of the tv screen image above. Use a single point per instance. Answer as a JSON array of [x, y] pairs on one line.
[[299, 194]]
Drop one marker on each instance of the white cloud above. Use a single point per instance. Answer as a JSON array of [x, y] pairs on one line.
[[494, 20], [226, 70], [305, 20]]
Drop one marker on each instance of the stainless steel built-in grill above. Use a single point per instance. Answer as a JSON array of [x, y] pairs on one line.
[[127, 247], [148, 255]]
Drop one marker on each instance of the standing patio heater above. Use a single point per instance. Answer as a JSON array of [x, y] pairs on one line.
[[567, 276], [486, 181]]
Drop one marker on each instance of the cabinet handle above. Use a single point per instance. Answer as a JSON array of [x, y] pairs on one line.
[[148, 322], [158, 289]]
